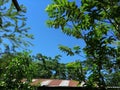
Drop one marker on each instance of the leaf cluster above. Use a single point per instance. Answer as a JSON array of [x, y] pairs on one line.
[[97, 23], [13, 27]]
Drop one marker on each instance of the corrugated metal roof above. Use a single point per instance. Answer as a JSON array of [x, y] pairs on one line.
[[54, 82]]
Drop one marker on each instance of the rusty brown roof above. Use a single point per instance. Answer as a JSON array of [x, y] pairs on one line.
[[54, 82]]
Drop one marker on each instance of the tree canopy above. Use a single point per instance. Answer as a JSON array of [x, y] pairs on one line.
[[97, 23], [14, 66], [13, 29]]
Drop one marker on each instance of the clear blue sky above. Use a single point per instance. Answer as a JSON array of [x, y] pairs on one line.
[[46, 39]]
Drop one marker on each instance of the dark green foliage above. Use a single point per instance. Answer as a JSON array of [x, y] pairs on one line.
[[97, 23], [48, 67], [15, 68], [14, 33], [69, 51], [75, 71]]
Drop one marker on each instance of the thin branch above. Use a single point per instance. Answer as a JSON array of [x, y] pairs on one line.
[[16, 5]]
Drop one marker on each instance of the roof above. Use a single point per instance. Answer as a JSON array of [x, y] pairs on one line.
[[54, 82]]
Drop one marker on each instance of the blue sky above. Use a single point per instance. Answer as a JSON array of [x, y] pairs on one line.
[[47, 39]]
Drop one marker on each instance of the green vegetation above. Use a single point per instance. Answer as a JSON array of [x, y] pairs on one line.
[[14, 66], [13, 29], [96, 22]]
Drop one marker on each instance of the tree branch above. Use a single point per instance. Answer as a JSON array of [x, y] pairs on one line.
[[16, 5]]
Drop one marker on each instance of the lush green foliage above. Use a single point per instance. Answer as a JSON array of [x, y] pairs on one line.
[[14, 33], [97, 23], [75, 71], [16, 67], [48, 67]]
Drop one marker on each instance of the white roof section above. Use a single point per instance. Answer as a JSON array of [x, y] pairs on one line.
[[64, 83]]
